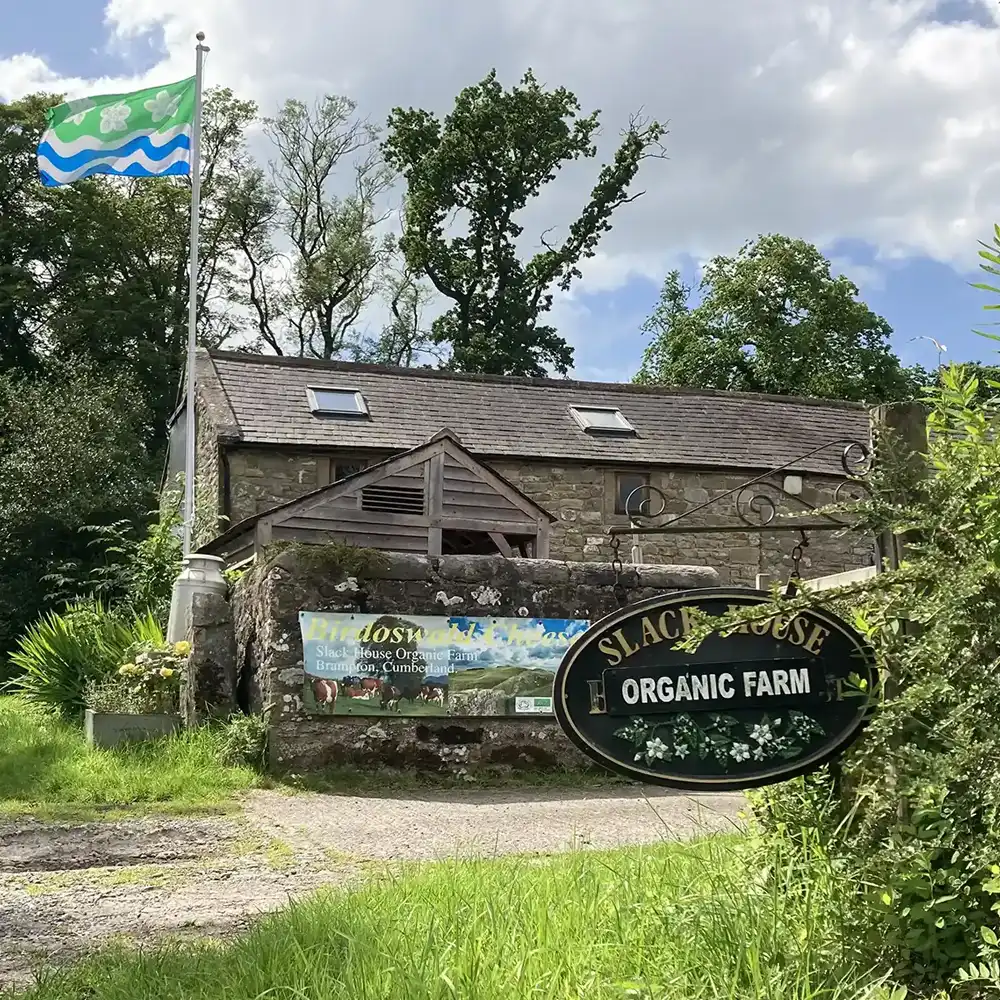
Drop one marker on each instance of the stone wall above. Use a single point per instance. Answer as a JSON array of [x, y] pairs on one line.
[[269, 653], [260, 479], [209, 520], [583, 500]]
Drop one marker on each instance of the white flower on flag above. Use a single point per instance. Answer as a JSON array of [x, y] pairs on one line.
[[163, 105], [79, 109], [115, 117]]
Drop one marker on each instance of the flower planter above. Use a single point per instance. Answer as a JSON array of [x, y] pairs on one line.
[[109, 729]]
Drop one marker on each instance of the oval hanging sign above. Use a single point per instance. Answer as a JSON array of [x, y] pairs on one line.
[[769, 701]]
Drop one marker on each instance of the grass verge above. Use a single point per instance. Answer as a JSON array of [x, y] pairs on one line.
[[47, 770], [673, 922]]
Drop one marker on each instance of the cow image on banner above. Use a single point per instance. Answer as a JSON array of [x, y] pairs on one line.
[[434, 666]]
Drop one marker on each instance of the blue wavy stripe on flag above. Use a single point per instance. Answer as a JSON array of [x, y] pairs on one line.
[[141, 143], [118, 168]]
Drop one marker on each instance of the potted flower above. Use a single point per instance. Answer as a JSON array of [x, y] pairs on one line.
[[140, 701]]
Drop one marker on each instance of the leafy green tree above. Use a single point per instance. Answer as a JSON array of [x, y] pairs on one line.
[[307, 300], [72, 453], [27, 243], [773, 319], [484, 163]]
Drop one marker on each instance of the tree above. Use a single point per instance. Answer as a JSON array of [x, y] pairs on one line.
[[773, 319], [25, 242], [72, 453], [403, 339], [483, 164], [337, 257], [93, 325]]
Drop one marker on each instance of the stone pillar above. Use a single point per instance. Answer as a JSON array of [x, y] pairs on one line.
[[899, 442], [209, 690]]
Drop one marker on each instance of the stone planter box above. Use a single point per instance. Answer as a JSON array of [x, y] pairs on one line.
[[107, 729]]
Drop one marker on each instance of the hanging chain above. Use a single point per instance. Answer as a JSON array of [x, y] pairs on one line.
[[791, 589], [618, 566]]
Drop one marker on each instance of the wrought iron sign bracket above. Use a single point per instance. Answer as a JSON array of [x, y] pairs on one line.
[[757, 502]]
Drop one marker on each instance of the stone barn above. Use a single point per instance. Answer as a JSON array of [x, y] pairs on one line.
[[415, 497], [536, 467]]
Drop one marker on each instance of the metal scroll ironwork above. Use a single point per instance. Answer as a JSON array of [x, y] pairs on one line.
[[757, 502]]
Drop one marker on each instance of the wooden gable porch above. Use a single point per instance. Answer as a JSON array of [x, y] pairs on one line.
[[435, 499]]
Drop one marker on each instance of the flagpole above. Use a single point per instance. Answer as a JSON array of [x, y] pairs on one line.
[[192, 341]]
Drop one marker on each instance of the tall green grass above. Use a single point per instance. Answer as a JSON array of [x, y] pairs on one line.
[[46, 767], [698, 921]]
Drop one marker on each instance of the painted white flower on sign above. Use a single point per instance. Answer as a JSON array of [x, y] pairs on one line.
[[163, 105], [79, 109], [114, 118], [740, 751]]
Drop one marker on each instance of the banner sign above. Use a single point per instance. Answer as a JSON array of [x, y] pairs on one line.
[[770, 700], [381, 664]]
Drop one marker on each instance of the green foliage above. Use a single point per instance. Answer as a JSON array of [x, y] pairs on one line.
[[913, 810], [486, 161], [93, 316], [148, 684], [773, 319], [990, 254], [61, 653], [670, 921], [243, 741], [139, 572], [334, 557]]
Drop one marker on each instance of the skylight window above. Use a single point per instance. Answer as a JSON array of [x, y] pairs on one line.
[[336, 402], [601, 420]]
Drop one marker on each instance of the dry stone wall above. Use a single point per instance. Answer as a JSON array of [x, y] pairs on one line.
[[269, 650]]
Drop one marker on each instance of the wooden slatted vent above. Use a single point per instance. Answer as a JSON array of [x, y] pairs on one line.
[[393, 499]]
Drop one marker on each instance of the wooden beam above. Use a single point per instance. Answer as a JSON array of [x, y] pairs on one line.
[[261, 536], [485, 524], [434, 541], [323, 470], [502, 544], [434, 478], [542, 540]]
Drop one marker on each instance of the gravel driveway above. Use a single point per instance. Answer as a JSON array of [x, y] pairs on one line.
[[65, 888]]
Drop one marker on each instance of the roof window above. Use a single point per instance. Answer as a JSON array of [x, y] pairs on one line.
[[601, 420], [330, 401]]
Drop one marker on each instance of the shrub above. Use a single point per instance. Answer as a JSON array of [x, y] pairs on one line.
[[61, 653], [912, 811], [243, 741], [127, 569], [148, 684]]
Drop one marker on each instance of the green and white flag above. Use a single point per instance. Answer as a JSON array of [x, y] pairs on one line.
[[143, 134]]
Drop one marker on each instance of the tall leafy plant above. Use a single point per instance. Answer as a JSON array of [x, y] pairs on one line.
[[135, 571], [913, 816], [60, 654]]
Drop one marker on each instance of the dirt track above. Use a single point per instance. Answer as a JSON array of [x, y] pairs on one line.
[[66, 888]]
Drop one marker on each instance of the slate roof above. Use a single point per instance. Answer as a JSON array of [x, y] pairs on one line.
[[264, 402]]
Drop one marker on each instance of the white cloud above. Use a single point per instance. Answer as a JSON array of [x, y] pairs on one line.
[[865, 119]]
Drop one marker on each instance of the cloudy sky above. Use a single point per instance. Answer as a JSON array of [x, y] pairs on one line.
[[866, 126]]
